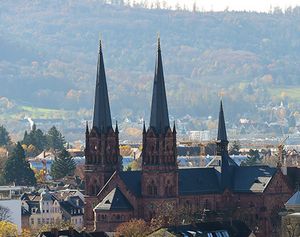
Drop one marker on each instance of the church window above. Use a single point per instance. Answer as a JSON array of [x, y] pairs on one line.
[[155, 191]]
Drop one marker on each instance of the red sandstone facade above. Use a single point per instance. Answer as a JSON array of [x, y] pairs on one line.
[[253, 194]]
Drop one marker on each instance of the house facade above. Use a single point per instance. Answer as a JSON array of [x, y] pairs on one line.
[[48, 208], [253, 194]]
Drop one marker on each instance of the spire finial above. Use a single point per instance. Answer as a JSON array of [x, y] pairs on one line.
[[100, 43], [158, 41]]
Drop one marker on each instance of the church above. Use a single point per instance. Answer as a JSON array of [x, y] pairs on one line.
[[254, 194]]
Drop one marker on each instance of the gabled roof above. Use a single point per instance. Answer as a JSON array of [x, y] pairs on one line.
[[159, 119], [114, 201], [294, 200], [252, 178], [70, 208], [102, 117], [132, 180], [193, 181]]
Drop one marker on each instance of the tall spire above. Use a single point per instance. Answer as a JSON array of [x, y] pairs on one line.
[[222, 135], [159, 120], [102, 117]]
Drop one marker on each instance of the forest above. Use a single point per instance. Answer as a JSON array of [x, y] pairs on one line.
[[49, 55]]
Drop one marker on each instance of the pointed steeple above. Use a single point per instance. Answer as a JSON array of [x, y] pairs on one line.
[[222, 135], [102, 117], [87, 128], [159, 120], [117, 128], [174, 127], [222, 150]]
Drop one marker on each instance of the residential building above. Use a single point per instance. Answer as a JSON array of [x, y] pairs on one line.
[[52, 207]]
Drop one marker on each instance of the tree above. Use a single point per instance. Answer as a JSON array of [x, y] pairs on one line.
[[133, 228], [8, 229], [235, 148], [4, 214], [63, 165], [253, 158], [4, 136], [55, 139], [17, 170], [35, 139]]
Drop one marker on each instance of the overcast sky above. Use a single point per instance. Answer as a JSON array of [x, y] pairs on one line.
[[220, 5]]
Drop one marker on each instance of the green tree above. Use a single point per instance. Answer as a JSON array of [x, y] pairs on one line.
[[63, 165], [36, 138], [253, 158], [4, 136], [17, 170], [235, 148], [55, 139]]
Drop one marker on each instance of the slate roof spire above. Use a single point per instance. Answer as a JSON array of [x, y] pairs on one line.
[[222, 150], [102, 118], [222, 135], [159, 120]]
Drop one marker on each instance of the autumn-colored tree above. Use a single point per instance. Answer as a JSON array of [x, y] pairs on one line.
[[8, 229], [125, 150], [40, 175], [133, 228]]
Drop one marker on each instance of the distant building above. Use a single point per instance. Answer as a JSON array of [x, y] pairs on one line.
[[10, 204], [52, 207], [199, 135], [254, 194]]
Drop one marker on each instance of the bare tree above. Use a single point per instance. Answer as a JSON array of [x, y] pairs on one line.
[[291, 228], [5, 214]]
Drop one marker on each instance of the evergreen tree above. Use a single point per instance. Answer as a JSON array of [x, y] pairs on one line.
[[17, 170], [63, 165], [4, 136], [253, 158], [36, 138], [55, 139], [235, 148]]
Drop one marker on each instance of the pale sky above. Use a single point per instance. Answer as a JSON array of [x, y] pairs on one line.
[[239, 5]]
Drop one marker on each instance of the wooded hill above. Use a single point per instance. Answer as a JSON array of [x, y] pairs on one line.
[[49, 54]]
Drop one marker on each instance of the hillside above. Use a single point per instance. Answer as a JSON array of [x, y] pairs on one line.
[[49, 53]]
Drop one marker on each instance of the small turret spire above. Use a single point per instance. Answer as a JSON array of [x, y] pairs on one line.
[[144, 127], [174, 127], [117, 128], [87, 128], [222, 135]]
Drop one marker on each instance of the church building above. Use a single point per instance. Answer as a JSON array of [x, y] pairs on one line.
[[253, 194]]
